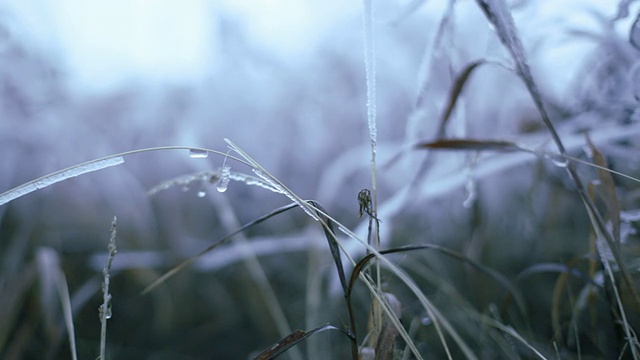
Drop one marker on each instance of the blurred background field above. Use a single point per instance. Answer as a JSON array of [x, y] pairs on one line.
[[286, 82]]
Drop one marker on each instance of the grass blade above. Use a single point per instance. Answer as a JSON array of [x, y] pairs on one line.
[[222, 241], [456, 90], [470, 144], [608, 194], [289, 341], [56, 177], [65, 301], [504, 282], [105, 308]]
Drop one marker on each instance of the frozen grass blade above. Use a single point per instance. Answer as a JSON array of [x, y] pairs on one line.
[[272, 181], [210, 177], [58, 176], [371, 78], [370, 73], [92, 166], [105, 308]]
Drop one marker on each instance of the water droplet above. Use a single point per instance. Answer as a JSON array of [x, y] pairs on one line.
[[426, 321], [472, 193], [105, 314], [557, 160], [223, 182], [202, 193], [198, 154]]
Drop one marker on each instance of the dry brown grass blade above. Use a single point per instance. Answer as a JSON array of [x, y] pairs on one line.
[[610, 199], [608, 187], [470, 145], [384, 341], [456, 90], [289, 341]]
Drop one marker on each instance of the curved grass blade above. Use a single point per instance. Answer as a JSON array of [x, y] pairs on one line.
[[224, 240], [554, 268], [456, 90], [58, 176], [496, 276], [290, 340]]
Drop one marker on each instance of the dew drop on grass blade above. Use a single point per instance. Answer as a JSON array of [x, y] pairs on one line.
[[198, 153], [557, 160], [225, 176], [223, 181]]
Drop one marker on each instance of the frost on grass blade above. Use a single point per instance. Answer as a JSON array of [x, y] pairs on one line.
[[209, 177], [370, 69], [58, 176], [280, 189]]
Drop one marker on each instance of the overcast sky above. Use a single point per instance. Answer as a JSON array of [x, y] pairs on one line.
[[100, 43]]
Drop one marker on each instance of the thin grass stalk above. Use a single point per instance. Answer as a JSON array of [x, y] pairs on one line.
[[370, 74], [105, 308]]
